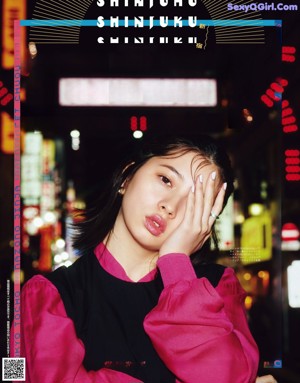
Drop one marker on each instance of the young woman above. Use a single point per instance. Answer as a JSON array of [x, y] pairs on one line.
[[139, 305]]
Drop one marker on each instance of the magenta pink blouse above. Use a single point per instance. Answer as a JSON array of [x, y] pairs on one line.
[[200, 332]]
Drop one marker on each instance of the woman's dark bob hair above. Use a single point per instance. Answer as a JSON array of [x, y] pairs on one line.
[[99, 221]]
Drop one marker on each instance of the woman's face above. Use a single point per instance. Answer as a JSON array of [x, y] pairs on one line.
[[155, 199]]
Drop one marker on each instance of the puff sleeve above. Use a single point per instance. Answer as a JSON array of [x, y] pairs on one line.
[[201, 332], [49, 343]]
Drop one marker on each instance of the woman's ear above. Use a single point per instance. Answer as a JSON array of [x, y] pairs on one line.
[[122, 189], [125, 182]]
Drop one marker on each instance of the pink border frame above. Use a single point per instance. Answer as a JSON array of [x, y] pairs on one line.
[[16, 341]]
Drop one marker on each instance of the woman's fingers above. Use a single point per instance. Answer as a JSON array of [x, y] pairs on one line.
[[190, 207], [206, 203], [209, 198], [218, 205], [265, 379], [199, 202]]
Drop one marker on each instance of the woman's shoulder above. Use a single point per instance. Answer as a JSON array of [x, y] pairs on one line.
[[38, 285], [61, 275], [36, 281]]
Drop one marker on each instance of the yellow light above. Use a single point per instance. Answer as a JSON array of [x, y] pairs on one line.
[[32, 49], [12, 10], [80, 205], [247, 276], [265, 276], [255, 209], [248, 302], [262, 274], [23, 94], [20, 275], [240, 218], [247, 115], [7, 133]]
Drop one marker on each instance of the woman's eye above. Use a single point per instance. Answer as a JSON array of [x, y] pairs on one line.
[[166, 180]]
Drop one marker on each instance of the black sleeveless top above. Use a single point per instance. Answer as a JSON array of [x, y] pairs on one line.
[[108, 315]]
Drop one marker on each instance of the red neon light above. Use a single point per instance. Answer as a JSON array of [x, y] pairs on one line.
[[288, 54], [285, 103], [290, 128], [292, 153], [276, 87], [289, 232], [3, 92], [143, 123], [5, 96], [292, 161], [133, 123], [288, 120], [266, 100], [288, 58], [292, 169], [292, 177], [286, 112], [282, 81], [7, 99], [272, 95], [288, 49]]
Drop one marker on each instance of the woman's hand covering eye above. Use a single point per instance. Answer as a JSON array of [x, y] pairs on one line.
[[196, 225]]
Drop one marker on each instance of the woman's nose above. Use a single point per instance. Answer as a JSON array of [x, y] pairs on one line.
[[172, 205], [168, 209]]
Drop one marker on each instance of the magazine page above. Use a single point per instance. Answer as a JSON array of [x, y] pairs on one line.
[[150, 146]]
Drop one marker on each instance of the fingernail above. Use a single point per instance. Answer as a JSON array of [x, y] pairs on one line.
[[213, 175], [225, 186], [201, 178], [193, 188]]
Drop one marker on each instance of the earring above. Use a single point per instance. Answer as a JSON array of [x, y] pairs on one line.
[[121, 191]]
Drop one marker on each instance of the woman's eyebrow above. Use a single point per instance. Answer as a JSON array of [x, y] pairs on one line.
[[176, 172]]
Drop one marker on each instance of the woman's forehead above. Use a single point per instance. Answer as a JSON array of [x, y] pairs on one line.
[[184, 157], [190, 161]]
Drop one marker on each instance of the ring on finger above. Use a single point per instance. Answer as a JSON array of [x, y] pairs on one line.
[[215, 216]]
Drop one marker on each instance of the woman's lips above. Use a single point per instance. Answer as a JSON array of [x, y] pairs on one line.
[[155, 224]]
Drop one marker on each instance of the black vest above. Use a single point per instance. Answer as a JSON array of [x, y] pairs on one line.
[[108, 314]]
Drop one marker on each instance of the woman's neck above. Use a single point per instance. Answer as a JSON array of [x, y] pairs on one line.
[[136, 261]]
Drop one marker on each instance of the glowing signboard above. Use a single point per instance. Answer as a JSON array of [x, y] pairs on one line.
[[293, 276], [256, 240], [12, 10]]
